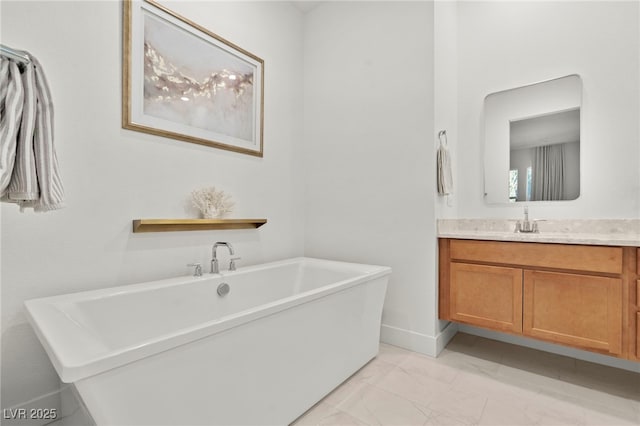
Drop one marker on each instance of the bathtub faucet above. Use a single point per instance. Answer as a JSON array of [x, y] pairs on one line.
[[215, 269]]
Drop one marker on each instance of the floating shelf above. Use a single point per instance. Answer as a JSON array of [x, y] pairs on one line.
[[167, 225]]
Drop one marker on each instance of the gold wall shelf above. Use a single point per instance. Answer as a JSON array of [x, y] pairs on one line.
[[167, 225]]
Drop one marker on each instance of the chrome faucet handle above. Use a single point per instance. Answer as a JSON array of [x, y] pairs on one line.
[[232, 263], [214, 266], [197, 272], [529, 227]]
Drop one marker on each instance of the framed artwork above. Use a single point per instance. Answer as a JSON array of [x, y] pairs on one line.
[[184, 82]]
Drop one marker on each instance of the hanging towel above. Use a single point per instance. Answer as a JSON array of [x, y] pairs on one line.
[[35, 179], [23, 186], [445, 178], [11, 103]]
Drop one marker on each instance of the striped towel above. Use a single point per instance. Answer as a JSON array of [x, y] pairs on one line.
[[35, 178], [11, 103]]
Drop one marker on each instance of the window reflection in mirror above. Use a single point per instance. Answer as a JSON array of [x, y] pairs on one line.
[[545, 157]]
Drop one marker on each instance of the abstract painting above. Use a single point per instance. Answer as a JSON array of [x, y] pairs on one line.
[[184, 82]]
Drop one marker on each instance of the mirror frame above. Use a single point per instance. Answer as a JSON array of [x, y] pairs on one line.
[[501, 108]]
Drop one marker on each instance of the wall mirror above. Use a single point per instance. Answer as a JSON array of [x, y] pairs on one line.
[[532, 142]]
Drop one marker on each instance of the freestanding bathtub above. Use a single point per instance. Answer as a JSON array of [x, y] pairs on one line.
[[175, 352]]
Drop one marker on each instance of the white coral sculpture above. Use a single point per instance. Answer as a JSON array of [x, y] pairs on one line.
[[212, 203]]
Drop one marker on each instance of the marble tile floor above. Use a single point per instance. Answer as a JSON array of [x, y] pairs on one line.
[[477, 381]]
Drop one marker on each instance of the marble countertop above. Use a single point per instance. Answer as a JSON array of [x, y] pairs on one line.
[[613, 232]]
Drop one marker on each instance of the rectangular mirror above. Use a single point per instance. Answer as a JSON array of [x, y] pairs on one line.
[[532, 142]]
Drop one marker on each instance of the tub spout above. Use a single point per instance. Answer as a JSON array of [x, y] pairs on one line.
[[215, 268]]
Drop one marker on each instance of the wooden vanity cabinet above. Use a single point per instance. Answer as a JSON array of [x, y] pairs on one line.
[[575, 295]]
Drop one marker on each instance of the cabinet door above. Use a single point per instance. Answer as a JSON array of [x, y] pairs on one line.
[[638, 335], [487, 296], [578, 310]]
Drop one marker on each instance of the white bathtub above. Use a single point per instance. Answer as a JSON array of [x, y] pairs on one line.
[[174, 352]]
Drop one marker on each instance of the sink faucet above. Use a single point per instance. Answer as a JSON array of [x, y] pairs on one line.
[[215, 269], [526, 226]]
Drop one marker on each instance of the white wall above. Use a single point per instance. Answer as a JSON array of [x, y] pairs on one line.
[[369, 146], [112, 176], [445, 92], [503, 45]]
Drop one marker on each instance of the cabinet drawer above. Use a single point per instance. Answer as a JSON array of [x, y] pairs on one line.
[[558, 256], [638, 293], [638, 261]]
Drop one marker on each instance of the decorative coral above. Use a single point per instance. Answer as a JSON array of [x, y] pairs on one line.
[[212, 203]]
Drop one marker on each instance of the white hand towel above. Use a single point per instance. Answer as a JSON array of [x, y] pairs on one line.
[[445, 178]]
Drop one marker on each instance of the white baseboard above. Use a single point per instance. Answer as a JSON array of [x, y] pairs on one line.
[[433, 345], [417, 342], [550, 347], [445, 336]]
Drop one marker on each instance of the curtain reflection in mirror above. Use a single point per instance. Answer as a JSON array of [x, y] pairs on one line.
[[548, 173]]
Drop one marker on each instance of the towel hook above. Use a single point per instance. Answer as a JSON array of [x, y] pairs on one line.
[[442, 133]]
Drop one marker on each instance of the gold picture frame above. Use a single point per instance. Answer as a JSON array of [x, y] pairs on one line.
[[182, 81]]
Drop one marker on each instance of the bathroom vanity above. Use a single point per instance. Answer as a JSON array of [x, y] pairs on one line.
[[576, 282], [571, 288]]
